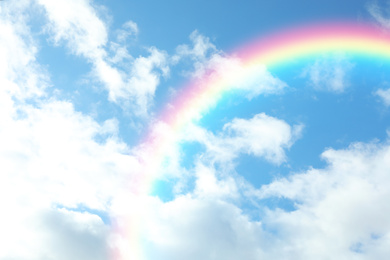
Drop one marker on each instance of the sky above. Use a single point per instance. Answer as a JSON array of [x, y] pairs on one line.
[[106, 154]]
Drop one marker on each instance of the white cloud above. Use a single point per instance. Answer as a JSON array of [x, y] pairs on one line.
[[74, 235], [199, 51], [341, 211], [163, 226], [136, 89], [20, 74], [261, 136], [209, 185], [193, 228], [329, 73], [52, 234], [129, 28], [50, 158], [78, 25], [384, 94], [208, 60], [381, 15]]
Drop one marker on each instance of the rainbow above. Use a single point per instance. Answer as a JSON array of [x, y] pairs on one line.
[[203, 93], [296, 43]]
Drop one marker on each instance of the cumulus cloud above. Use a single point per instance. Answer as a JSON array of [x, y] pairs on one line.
[[261, 136], [339, 211], [136, 88], [78, 25], [84, 234], [193, 228], [20, 74], [329, 73], [384, 94], [51, 158], [54, 159]]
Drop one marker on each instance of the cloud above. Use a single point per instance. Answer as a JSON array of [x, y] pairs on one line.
[[209, 62], [53, 234], [199, 51], [77, 24], [339, 211], [329, 73], [129, 28], [74, 235], [380, 14], [192, 228], [20, 74], [261, 136], [51, 158], [54, 159], [135, 89], [384, 94], [212, 185]]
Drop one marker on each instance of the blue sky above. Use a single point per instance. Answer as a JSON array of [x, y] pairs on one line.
[[298, 172]]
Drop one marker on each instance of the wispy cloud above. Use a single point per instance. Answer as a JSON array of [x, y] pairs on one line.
[[206, 58], [380, 13], [384, 94], [329, 73], [128, 29]]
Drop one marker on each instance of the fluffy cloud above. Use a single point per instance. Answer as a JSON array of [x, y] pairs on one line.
[[192, 228], [261, 136], [339, 211], [54, 159], [135, 89], [329, 73], [78, 25], [20, 74], [50, 158], [53, 234]]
